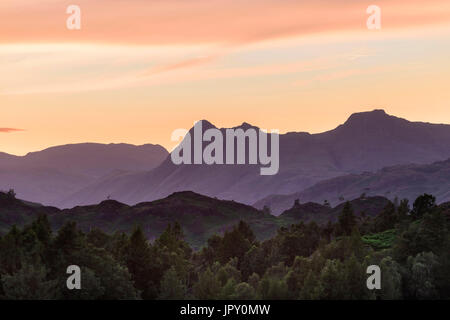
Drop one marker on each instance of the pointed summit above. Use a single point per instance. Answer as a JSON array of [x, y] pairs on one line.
[[245, 126], [207, 125]]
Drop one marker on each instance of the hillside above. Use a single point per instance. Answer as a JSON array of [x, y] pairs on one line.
[[18, 212], [200, 216]]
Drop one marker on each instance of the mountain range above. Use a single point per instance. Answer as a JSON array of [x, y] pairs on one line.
[[367, 142]]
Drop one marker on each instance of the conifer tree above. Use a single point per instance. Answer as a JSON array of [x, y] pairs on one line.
[[347, 219], [172, 288]]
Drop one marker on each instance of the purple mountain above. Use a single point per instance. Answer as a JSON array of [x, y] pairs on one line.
[[55, 173], [366, 142]]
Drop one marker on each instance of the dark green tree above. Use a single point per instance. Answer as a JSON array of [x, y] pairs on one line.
[[139, 262], [172, 287], [29, 283], [347, 219], [208, 287], [422, 205], [311, 290]]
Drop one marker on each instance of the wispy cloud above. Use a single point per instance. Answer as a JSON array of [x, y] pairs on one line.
[[8, 130], [59, 78], [342, 74], [171, 22], [186, 41], [187, 63]]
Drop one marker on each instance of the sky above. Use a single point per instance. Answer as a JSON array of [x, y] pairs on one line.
[[139, 69]]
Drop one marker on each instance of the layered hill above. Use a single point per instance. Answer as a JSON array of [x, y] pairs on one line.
[[402, 181], [200, 216]]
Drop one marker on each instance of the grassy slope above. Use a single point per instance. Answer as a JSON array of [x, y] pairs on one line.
[[381, 240]]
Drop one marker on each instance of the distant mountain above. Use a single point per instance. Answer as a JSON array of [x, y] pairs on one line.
[[51, 175], [367, 141], [7, 159], [402, 181]]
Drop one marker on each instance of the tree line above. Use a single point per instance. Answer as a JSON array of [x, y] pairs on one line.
[[302, 261]]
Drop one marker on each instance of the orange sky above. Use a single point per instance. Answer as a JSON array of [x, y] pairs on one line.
[[137, 70]]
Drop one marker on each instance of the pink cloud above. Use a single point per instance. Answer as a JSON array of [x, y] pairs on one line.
[[203, 21], [8, 130]]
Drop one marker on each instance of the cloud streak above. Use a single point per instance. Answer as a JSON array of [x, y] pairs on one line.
[[170, 22], [8, 130], [188, 63]]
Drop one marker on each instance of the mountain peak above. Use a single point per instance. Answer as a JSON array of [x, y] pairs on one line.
[[208, 125], [376, 113], [245, 126], [377, 116], [205, 124]]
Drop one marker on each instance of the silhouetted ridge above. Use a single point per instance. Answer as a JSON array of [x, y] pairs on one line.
[[366, 142], [111, 205], [245, 126], [376, 117]]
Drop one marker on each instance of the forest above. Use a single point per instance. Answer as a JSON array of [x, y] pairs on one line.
[[307, 261]]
